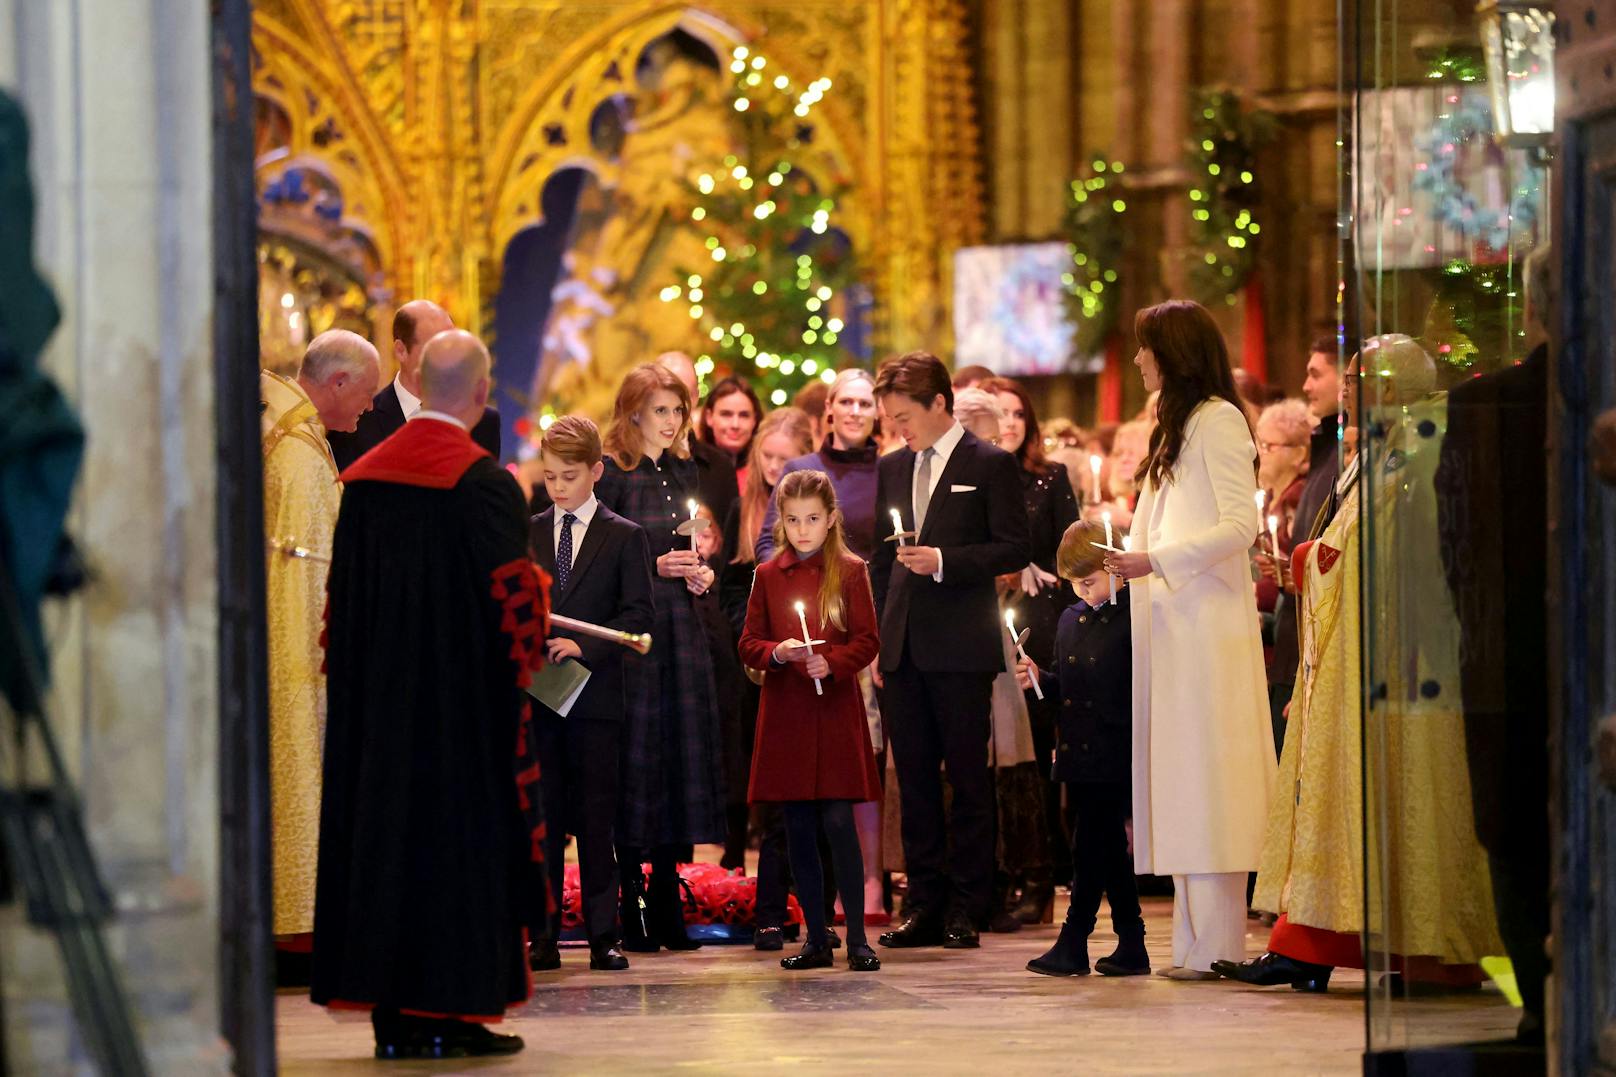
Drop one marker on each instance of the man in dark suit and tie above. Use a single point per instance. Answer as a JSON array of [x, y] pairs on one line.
[[600, 567], [415, 323], [940, 640]]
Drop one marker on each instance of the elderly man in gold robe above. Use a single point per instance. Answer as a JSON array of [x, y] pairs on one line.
[[333, 387], [1430, 904]]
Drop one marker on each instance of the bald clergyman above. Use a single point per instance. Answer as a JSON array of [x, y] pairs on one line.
[[415, 323], [430, 842]]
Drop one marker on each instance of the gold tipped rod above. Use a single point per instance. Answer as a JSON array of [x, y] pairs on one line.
[[638, 642]]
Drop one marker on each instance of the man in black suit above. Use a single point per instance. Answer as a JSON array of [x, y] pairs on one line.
[[415, 323], [600, 566], [940, 640]]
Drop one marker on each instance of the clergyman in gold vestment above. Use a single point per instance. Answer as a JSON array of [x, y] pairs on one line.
[[333, 387]]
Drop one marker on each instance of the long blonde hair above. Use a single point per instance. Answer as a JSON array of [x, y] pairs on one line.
[[623, 441], [837, 560], [795, 424]]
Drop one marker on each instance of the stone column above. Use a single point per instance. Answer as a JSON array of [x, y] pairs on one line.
[[119, 100]]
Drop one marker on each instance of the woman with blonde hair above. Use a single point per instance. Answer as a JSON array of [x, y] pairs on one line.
[[673, 784]]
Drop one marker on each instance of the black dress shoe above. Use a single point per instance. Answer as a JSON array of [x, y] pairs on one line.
[[812, 956], [768, 939], [833, 939], [861, 958], [423, 1037], [606, 957], [959, 933], [1273, 970], [543, 956], [918, 930]]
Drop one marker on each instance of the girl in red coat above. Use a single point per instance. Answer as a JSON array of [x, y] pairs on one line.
[[812, 754]]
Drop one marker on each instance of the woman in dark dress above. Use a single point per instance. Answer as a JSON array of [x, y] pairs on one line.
[[1038, 600], [673, 784], [729, 420]]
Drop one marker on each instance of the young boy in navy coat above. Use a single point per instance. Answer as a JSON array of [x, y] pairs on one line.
[[600, 567], [1093, 684]]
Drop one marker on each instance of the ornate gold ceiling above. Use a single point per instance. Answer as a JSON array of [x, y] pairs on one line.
[[440, 121]]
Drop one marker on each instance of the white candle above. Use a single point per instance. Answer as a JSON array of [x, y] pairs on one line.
[[1010, 623], [1273, 533], [1094, 469], [693, 507], [1105, 518], [1262, 500], [802, 619], [897, 526]]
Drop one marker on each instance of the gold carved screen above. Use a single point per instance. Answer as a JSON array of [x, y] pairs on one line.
[[438, 123]]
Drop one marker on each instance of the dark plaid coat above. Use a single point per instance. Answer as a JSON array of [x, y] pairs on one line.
[[673, 780]]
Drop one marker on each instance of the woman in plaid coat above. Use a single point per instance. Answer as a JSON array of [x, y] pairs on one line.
[[672, 786]]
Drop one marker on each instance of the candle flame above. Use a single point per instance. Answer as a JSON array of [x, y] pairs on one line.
[[799, 606], [1105, 518], [1094, 463], [1127, 543], [1273, 523], [1262, 498], [692, 505], [1010, 620]]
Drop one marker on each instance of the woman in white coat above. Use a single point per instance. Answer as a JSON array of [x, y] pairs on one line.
[[1203, 748]]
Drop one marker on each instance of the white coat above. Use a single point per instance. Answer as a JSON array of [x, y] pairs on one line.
[[1203, 747]]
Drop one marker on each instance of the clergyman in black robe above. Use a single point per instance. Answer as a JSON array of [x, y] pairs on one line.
[[430, 839]]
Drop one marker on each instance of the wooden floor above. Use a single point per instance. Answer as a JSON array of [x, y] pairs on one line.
[[730, 1009]]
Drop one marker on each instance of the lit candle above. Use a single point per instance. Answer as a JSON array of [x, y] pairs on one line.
[[1105, 518], [1010, 623], [1262, 500], [1273, 533], [802, 619], [897, 526], [693, 507], [1127, 544], [1094, 470]]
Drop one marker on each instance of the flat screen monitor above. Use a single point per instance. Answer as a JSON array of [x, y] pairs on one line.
[[1010, 310]]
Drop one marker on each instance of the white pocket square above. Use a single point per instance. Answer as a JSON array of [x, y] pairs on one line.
[[956, 488]]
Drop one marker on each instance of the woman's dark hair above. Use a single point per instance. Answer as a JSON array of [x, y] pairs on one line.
[[1030, 455], [729, 387], [1194, 365]]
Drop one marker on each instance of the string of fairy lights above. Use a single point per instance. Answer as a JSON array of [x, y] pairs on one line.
[[767, 298]]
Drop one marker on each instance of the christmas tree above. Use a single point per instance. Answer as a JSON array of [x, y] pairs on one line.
[[772, 297]]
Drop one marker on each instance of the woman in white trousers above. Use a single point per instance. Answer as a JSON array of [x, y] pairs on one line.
[[1203, 748]]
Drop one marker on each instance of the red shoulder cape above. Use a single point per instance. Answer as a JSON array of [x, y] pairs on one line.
[[424, 452]]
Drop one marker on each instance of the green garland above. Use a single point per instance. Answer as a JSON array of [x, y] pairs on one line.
[[1222, 162], [1095, 239]]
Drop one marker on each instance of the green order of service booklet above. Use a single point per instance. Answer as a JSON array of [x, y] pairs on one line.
[[559, 684]]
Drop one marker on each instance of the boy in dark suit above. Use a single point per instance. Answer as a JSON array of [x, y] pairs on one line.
[[1093, 680], [601, 567], [940, 647]]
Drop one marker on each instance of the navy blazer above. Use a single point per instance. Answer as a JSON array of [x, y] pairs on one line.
[[979, 520], [385, 416], [610, 585], [1092, 683]]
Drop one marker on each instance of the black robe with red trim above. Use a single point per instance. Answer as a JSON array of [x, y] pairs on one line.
[[429, 827]]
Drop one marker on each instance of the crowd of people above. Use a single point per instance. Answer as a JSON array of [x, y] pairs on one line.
[[930, 652]]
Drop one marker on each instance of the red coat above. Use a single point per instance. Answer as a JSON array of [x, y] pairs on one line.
[[811, 747]]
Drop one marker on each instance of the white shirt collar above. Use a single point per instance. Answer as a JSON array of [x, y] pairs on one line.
[[406, 399], [944, 446], [585, 512], [440, 416]]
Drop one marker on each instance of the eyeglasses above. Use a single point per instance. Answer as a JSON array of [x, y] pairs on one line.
[[1270, 446]]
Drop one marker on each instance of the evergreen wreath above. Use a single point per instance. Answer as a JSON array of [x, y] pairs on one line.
[[1094, 240]]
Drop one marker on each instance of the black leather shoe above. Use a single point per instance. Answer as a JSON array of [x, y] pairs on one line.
[[606, 957], [768, 938], [834, 939], [862, 959], [918, 930], [423, 1037], [1273, 970], [959, 933], [813, 956], [543, 956]]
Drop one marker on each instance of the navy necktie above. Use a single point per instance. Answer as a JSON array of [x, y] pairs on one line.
[[564, 552]]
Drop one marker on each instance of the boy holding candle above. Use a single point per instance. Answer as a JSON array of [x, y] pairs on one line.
[[600, 565], [1093, 681]]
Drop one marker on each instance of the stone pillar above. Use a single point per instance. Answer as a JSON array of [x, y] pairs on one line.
[[119, 101]]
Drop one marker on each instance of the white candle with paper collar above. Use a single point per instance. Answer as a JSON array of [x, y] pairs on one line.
[[1273, 534], [802, 619], [1010, 623], [1105, 518], [1095, 464], [693, 510], [897, 526]]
